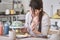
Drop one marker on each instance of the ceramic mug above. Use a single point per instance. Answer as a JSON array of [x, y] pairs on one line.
[[12, 35]]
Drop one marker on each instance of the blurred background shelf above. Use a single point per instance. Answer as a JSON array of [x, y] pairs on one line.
[[12, 18]]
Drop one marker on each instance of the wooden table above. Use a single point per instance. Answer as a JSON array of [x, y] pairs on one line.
[[7, 38], [30, 38], [34, 39]]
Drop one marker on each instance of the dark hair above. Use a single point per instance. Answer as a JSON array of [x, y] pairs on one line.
[[37, 4]]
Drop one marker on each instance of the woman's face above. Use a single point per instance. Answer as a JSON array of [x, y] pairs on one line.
[[35, 12]]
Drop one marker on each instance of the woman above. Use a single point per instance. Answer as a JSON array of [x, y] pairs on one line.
[[37, 21]]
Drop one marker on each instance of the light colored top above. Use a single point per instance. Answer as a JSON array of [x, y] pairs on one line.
[[44, 26]]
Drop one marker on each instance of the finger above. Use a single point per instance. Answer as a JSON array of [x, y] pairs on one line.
[[33, 28]]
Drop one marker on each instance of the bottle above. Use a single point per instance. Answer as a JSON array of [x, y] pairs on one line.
[[0, 0], [22, 9], [56, 25], [6, 28], [1, 28], [22, 12]]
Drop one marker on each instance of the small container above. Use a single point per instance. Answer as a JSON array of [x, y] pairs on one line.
[[1, 28], [7, 11], [12, 34], [6, 28], [12, 11]]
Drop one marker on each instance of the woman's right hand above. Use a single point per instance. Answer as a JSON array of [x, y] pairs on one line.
[[24, 30]]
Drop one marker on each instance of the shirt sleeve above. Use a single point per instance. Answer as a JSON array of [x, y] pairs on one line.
[[27, 24], [45, 24], [26, 20]]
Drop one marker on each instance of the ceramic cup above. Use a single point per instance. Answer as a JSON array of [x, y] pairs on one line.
[[12, 35]]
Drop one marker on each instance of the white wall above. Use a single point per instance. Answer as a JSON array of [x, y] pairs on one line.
[[26, 4], [46, 5]]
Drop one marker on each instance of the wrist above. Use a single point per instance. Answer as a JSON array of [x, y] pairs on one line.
[[38, 32]]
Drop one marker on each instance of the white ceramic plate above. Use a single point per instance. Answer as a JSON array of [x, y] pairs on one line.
[[22, 36]]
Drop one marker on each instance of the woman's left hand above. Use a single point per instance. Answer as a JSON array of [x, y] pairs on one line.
[[35, 22]]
